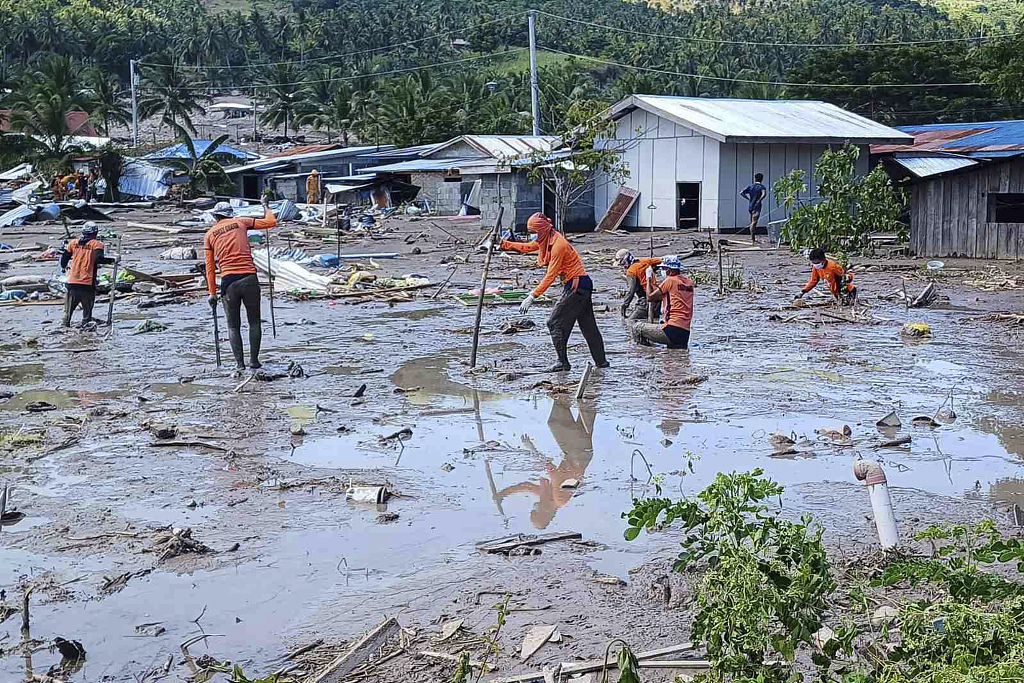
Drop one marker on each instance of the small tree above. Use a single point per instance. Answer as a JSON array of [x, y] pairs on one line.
[[589, 150], [205, 172], [112, 165], [852, 207]]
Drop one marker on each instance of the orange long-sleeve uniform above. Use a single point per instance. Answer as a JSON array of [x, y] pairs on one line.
[[227, 245], [564, 262], [832, 273], [639, 270], [84, 260]]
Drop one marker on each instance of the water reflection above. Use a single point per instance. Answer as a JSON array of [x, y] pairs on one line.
[[574, 436]]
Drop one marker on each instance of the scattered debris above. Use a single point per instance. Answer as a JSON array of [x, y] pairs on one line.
[[508, 543], [148, 326], [884, 615], [367, 494], [387, 517], [609, 580], [179, 542], [517, 325], [361, 650], [69, 649], [895, 443], [450, 629], [163, 431], [359, 392], [890, 420], [112, 584], [534, 640], [916, 330], [570, 484], [922, 421], [447, 467], [407, 390], [297, 429]]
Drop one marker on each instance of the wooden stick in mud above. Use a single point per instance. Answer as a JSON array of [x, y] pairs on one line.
[[441, 288], [721, 282], [483, 287]]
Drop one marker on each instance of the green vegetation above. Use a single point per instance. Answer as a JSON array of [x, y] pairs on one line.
[[391, 71], [766, 588], [853, 207]]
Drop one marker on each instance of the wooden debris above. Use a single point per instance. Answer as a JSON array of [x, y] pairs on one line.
[[454, 658], [450, 629], [894, 443], [535, 639], [507, 544], [362, 650], [644, 659], [190, 444]]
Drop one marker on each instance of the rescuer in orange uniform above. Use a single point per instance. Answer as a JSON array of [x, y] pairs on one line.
[[636, 284], [226, 244], [576, 304], [677, 292], [85, 256], [840, 282]]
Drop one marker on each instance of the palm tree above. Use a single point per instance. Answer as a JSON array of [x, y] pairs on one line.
[[41, 104], [205, 172], [169, 90], [283, 90], [329, 105], [107, 99]]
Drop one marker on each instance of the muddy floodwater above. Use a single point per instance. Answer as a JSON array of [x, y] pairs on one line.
[[262, 473]]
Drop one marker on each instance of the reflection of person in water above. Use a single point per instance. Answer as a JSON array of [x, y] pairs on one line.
[[575, 437]]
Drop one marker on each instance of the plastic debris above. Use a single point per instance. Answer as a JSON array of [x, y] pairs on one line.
[[916, 330]]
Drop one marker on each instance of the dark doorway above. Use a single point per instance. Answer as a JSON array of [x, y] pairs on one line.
[[250, 187], [547, 201], [687, 206]]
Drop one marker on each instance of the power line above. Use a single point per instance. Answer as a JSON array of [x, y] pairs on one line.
[[716, 41], [755, 82], [264, 86], [345, 55]]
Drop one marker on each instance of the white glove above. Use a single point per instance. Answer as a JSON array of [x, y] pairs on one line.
[[650, 272], [527, 302]]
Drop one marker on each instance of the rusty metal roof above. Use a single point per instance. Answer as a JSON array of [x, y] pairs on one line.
[[981, 140], [759, 121]]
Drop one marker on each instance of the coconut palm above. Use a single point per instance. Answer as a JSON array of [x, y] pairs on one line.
[[108, 99], [170, 91], [41, 103], [282, 89]]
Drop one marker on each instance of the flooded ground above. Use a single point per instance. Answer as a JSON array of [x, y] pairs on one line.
[[263, 473]]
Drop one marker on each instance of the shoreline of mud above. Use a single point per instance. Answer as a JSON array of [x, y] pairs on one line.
[[487, 457]]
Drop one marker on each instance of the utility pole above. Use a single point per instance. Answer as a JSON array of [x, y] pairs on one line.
[[135, 103], [534, 87], [254, 114]]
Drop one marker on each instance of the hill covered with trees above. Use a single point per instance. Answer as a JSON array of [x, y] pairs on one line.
[[422, 70]]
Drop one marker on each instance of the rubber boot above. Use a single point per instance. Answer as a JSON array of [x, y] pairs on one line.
[[561, 350], [255, 339], [235, 337]]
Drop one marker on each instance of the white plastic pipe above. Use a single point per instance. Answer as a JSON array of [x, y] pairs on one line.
[[873, 476]]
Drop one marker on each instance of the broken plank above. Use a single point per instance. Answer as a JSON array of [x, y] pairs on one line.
[[535, 639], [363, 649], [597, 664], [190, 444], [454, 658], [169, 229], [504, 546], [139, 275]]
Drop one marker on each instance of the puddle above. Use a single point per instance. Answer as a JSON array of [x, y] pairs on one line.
[[430, 374], [178, 390], [17, 374], [61, 399]]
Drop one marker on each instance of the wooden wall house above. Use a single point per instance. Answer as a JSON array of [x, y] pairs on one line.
[[975, 212]]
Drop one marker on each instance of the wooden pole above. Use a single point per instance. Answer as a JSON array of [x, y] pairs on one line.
[[483, 287], [113, 289], [721, 282]]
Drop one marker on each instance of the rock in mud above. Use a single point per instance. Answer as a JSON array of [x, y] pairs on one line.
[[447, 467]]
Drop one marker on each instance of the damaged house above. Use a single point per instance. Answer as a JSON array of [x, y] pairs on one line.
[[472, 174], [285, 173], [965, 183]]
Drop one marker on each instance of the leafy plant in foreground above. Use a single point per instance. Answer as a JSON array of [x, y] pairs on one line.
[[956, 565], [765, 590]]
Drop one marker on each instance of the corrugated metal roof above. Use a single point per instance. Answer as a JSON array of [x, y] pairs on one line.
[[269, 163], [924, 166], [142, 179], [19, 171], [402, 153], [987, 139], [754, 121], [414, 165], [180, 151], [502, 146], [303, 149]]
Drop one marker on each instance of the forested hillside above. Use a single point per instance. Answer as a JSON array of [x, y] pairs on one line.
[[408, 71]]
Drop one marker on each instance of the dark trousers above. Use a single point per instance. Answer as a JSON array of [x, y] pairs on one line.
[[244, 291], [640, 311], [572, 308], [84, 295]]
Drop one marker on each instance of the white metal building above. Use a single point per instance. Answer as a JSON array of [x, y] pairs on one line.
[[690, 157]]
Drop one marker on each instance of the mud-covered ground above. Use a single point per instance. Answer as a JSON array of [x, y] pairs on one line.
[[291, 561]]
